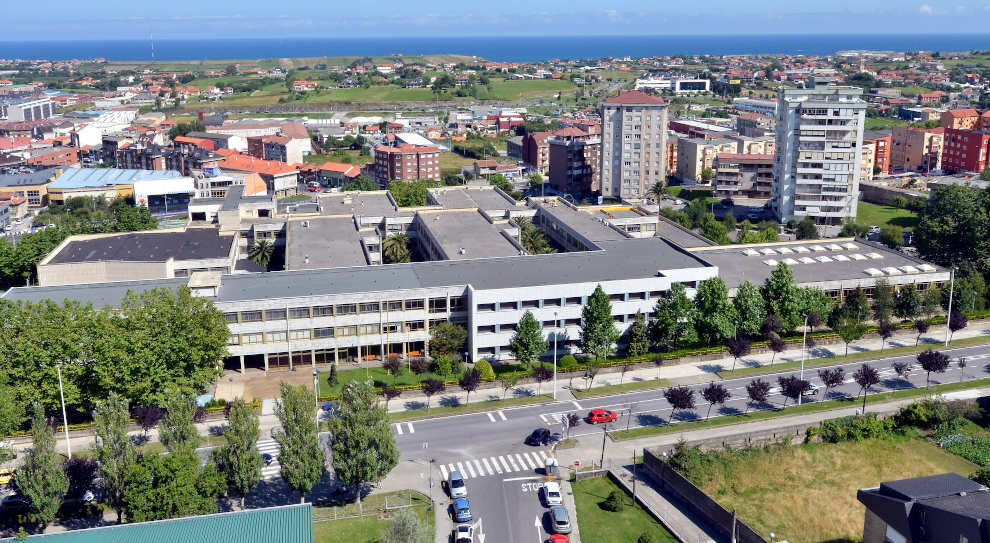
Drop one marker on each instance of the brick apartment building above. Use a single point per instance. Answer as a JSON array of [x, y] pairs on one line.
[[966, 150], [406, 162], [184, 159], [917, 149], [536, 150], [54, 156], [960, 119], [740, 175], [575, 158], [882, 143]]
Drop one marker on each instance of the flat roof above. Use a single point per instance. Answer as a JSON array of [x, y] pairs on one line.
[[681, 236], [39, 177], [324, 242], [641, 258], [811, 261], [191, 244], [581, 222], [466, 198], [467, 234], [74, 178], [369, 204]]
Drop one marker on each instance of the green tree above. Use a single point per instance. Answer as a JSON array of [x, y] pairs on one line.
[[892, 236], [714, 316], [815, 303], [447, 338], [781, 295], [706, 175], [672, 321], [41, 478], [113, 448], [931, 301], [908, 303], [528, 343], [405, 527], [955, 227], [850, 330], [362, 183], [485, 369], [532, 238], [231, 69], [396, 250], [300, 454], [883, 301], [12, 414], [598, 332], [181, 129], [639, 340], [750, 309], [241, 459], [806, 229], [657, 190], [171, 485], [363, 445], [177, 428], [261, 252]]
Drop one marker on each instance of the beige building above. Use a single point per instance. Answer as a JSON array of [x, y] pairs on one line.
[[634, 142], [153, 254], [917, 149], [696, 154], [869, 160]]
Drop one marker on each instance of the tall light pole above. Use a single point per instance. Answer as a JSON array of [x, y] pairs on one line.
[[556, 324], [316, 397], [948, 316], [65, 419], [804, 342]]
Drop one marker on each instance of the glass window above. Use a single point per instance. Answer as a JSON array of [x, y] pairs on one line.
[[369, 307], [394, 305], [551, 302], [299, 334], [250, 316], [486, 329], [508, 306], [370, 329], [458, 303], [323, 311], [274, 314], [271, 337], [483, 308], [438, 305], [299, 313], [345, 331], [412, 326], [530, 304], [250, 339], [415, 304], [230, 317], [574, 301], [392, 327], [234, 339], [319, 333], [346, 309]]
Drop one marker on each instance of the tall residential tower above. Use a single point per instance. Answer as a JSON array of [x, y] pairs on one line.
[[819, 147], [634, 142]]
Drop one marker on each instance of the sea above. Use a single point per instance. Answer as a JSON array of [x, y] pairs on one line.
[[502, 49]]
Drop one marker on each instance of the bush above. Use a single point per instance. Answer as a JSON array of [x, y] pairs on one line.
[[442, 366], [567, 363], [456, 365], [857, 428], [981, 476], [614, 502], [975, 450], [485, 369], [646, 537], [923, 414], [419, 365]]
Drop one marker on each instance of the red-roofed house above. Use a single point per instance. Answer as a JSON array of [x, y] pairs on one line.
[[406, 162], [17, 204], [335, 174], [280, 178], [963, 119]]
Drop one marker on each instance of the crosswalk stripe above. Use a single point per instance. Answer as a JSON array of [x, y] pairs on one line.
[[513, 462], [461, 469], [530, 458], [543, 418], [481, 472], [443, 471], [501, 415], [488, 467], [522, 463], [491, 417], [496, 466], [470, 468], [504, 464], [398, 429], [451, 468], [411, 429], [543, 455]]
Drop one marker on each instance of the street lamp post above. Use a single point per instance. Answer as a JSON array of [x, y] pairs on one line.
[[316, 396], [804, 342], [65, 419], [601, 464], [948, 316], [556, 324]]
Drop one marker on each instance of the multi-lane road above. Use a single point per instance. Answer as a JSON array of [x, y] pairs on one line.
[[487, 448]]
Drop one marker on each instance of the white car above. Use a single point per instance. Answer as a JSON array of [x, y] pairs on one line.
[[456, 486], [464, 534], [551, 494]]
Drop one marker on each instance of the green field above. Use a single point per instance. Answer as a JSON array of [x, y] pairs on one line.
[[601, 526], [882, 123], [366, 529], [774, 489], [881, 215]]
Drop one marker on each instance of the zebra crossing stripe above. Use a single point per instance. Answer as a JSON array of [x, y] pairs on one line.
[[533, 460], [470, 468], [488, 466], [398, 429], [443, 472], [513, 462], [543, 455], [451, 468], [481, 472], [461, 469], [522, 463], [504, 464]]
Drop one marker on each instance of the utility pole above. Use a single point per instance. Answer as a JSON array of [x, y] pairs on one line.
[[601, 464], [556, 324], [804, 342], [948, 316], [65, 419]]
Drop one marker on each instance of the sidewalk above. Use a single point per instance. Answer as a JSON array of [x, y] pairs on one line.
[[673, 513]]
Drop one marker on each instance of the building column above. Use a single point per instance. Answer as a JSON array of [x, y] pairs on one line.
[[404, 350], [336, 353], [266, 363], [312, 357], [242, 364]]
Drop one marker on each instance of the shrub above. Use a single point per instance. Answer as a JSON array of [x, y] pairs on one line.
[[646, 537], [485, 369], [981, 476], [923, 414], [947, 429], [419, 365], [975, 450], [613, 502], [857, 428], [567, 363], [456, 365], [441, 365]]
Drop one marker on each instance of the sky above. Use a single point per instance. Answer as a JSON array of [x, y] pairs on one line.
[[180, 19]]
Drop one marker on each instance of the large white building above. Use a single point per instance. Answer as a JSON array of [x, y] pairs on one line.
[[31, 110], [678, 86], [818, 151], [755, 105], [634, 141]]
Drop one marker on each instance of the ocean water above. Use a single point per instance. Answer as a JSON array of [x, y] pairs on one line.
[[493, 48]]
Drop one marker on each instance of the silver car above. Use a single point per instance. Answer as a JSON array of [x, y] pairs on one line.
[[560, 519], [456, 486]]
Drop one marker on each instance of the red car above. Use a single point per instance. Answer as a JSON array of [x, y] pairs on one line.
[[602, 415], [313, 188], [558, 538]]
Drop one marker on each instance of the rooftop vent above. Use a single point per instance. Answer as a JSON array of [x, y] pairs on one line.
[[770, 262], [841, 258], [850, 246], [818, 248], [750, 252], [802, 249], [875, 256], [790, 261], [768, 251], [834, 247], [785, 250], [926, 267], [873, 272], [807, 260], [890, 270], [857, 256], [823, 259]]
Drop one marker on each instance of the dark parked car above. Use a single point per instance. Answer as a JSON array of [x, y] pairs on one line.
[[540, 436]]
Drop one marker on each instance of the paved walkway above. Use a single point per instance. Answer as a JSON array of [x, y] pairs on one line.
[[673, 513]]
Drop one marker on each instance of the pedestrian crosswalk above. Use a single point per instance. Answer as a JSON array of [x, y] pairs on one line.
[[409, 428], [495, 465], [273, 470]]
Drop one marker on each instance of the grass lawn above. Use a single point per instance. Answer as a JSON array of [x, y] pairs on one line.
[[879, 123], [881, 216], [476, 406], [775, 488], [618, 389], [353, 157], [367, 529], [376, 374], [601, 526]]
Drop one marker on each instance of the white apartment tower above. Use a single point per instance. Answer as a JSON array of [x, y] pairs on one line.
[[819, 146], [634, 142]]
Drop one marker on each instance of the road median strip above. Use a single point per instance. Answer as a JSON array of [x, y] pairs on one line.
[[608, 390], [478, 407], [728, 420], [890, 352]]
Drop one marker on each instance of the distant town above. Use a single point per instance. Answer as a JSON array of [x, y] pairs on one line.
[[292, 299]]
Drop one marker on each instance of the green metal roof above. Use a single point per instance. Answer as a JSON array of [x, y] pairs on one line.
[[286, 524]]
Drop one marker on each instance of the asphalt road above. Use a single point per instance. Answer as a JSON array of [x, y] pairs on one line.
[[488, 447]]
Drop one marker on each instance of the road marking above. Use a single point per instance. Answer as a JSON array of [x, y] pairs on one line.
[[533, 460], [505, 464], [513, 462], [490, 417], [488, 466], [501, 414], [522, 463], [443, 471], [543, 418], [398, 428], [543, 454], [460, 468], [411, 429], [470, 468], [577, 405], [530, 478], [481, 472], [451, 468]]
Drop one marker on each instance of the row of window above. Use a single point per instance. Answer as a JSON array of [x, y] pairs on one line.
[[436, 305], [575, 300], [304, 334]]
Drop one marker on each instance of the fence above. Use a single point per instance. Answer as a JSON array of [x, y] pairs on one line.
[[701, 504], [373, 505]]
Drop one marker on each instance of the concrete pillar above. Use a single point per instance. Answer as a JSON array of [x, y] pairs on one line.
[[242, 364], [266, 363], [312, 357], [336, 355], [404, 350]]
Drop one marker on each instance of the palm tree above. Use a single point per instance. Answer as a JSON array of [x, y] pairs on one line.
[[261, 252], [395, 249], [657, 191]]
